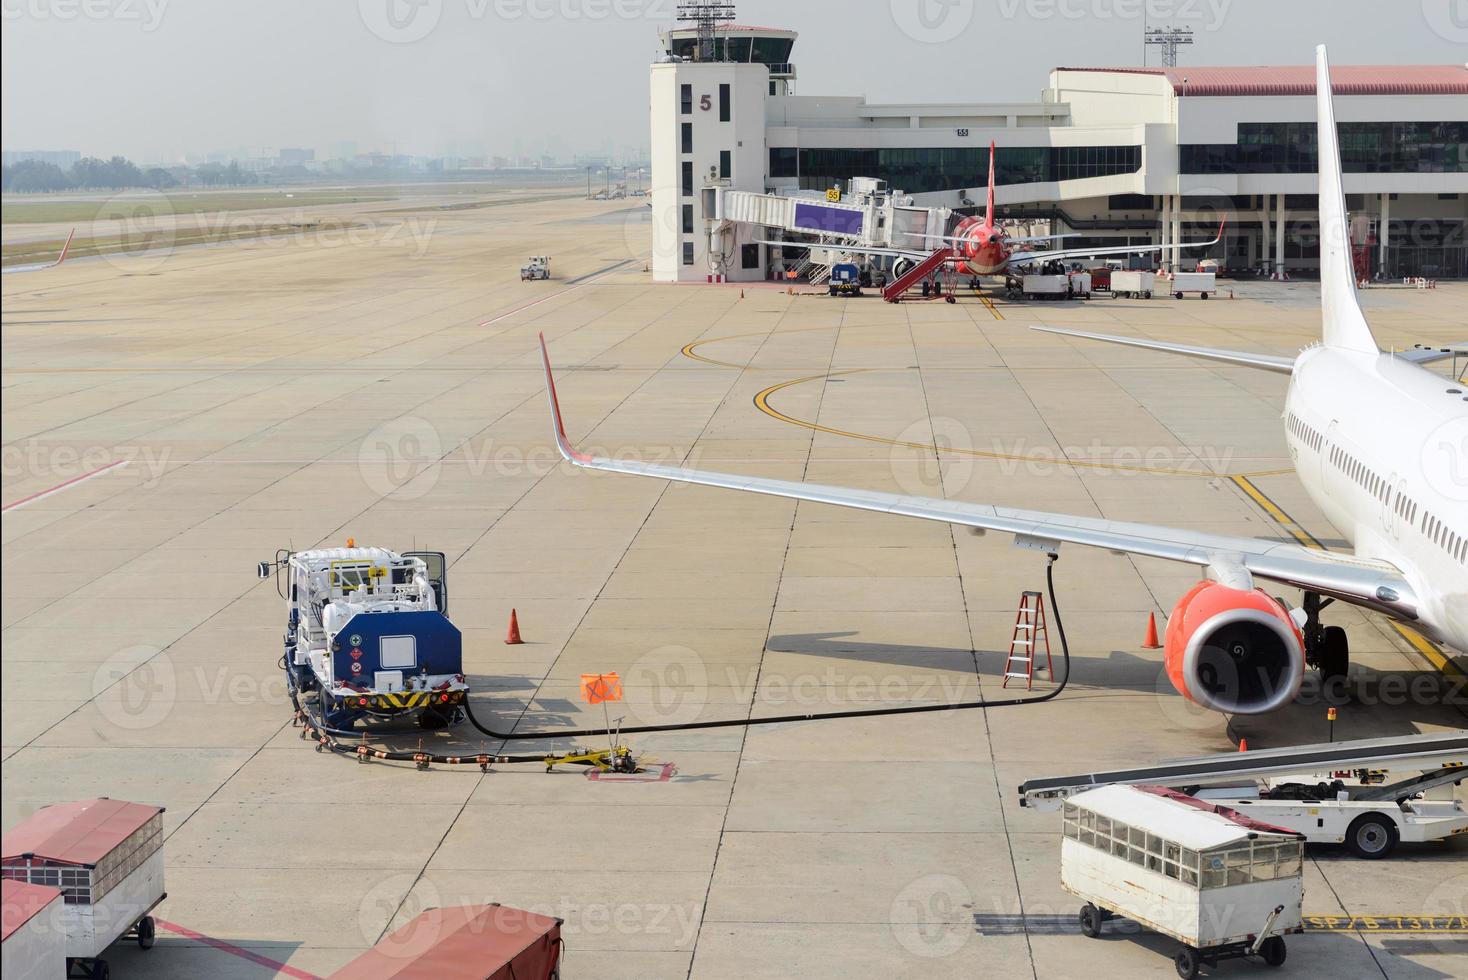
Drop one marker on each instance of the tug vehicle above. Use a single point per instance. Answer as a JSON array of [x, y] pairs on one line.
[[367, 634], [538, 267]]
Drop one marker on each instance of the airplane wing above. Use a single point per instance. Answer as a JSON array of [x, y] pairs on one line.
[[896, 253], [1431, 355], [1373, 584], [1268, 362], [39, 266], [1025, 258], [961, 239]]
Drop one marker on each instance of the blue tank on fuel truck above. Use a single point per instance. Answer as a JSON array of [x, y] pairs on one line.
[[367, 635]]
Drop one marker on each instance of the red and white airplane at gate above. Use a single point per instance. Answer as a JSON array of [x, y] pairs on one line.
[[984, 248], [1379, 443]]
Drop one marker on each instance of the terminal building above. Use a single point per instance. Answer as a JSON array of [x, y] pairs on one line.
[[1114, 155]]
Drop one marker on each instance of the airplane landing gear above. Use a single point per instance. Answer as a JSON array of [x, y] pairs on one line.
[[1327, 648]]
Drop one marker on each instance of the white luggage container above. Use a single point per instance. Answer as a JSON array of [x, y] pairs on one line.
[[1223, 885], [106, 856], [1204, 283], [1133, 285], [1047, 287]]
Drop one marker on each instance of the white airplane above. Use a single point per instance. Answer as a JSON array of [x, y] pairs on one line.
[[39, 266], [1379, 442]]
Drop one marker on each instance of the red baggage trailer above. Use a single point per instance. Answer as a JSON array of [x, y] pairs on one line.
[[471, 942]]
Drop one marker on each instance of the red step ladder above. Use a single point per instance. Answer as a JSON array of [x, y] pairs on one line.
[[1030, 636], [893, 291]]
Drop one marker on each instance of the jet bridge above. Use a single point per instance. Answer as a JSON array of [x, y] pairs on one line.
[[833, 226]]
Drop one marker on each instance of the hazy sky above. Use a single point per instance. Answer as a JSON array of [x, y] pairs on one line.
[[153, 79]]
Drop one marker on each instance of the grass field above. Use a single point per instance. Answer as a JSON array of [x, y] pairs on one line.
[[27, 253], [40, 210]]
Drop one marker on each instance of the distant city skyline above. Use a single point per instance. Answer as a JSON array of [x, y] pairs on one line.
[[534, 78]]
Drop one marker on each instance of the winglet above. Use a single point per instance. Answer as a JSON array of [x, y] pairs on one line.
[[568, 452], [64, 249], [1345, 325]]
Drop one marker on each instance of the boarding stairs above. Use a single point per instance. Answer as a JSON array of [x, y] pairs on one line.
[[1030, 637], [894, 290]]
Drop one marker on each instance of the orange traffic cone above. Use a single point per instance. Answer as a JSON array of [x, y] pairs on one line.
[[1243, 745], [1151, 642], [513, 638]]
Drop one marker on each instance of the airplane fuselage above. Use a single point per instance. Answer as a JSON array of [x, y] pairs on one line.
[[1381, 446]]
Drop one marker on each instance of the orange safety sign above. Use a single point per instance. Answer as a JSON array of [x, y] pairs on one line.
[[600, 688]]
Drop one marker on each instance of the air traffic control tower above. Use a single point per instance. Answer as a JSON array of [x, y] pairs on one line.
[[709, 130]]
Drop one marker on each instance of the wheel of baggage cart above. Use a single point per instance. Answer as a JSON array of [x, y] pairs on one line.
[[1273, 951], [1147, 294], [1187, 962], [147, 931], [1371, 836], [1091, 918], [1177, 295]]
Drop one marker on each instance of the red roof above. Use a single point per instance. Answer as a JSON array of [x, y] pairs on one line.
[[1231, 815], [471, 942], [76, 833], [20, 901], [1300, 79]]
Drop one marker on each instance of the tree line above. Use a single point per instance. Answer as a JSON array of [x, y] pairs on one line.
[[118, 173]]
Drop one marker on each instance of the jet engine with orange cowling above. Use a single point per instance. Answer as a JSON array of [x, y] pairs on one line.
[[1234, 650]]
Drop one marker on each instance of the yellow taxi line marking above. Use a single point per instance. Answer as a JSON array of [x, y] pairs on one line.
[[762, 402], [1275, 511]]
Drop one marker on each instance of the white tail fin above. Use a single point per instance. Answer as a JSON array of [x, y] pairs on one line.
[[1345, 325]]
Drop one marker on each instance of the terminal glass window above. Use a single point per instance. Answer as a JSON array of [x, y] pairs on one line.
[[1366, 148], [687, 178], [688, 137], [687, 253], [726, 164], [725, 97], [688, 219], [784, 161], [686, 97], [927, 169]]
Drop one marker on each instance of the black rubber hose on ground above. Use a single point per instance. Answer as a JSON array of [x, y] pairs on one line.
[[827, 716]]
